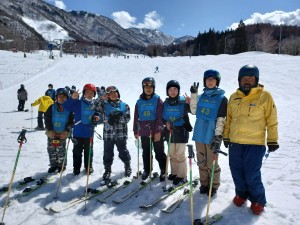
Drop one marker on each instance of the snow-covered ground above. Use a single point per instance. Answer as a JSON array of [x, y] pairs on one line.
[[279, 73]]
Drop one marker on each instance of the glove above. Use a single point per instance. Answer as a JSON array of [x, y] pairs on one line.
[[272, 146], [64, 135], [194, 88], [216, 142], [31, 104], [51, 134], [226, 142], [114, 117]]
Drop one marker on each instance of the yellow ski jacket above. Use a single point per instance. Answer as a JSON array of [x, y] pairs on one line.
[[251, 118], [44, 102]]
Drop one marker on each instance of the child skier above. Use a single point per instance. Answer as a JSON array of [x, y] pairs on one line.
[[58, 122], [44, 102], [148, 123], [116, 115], [210, 109], [85, 120], [175, 115]]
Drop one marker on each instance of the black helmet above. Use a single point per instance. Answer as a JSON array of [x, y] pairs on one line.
[[50, 85], [73, 87], [211, 73], [148, 81], [22, 86], [173, 83], [249, 70], [62, 91]]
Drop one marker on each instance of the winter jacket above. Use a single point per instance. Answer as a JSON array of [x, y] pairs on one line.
[[83, 112], [51, 93], [118, 131], [44, 102], [249, 117], [22, 94], [210, 108], [156, 125], [49, 118], [181, 127]]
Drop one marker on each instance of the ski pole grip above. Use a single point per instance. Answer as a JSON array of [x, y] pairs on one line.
[[22, 137], [191, 152]]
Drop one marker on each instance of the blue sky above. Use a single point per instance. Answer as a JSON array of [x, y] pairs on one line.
[[178, 18]]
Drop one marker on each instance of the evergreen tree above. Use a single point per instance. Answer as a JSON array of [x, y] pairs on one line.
[[241, 44], [212, 42]]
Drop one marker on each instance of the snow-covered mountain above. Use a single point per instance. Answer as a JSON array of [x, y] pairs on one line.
[[36, 17]]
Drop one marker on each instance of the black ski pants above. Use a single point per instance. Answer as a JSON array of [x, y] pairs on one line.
[[160, 155], [21, 105], [83, 145], [108, 155]]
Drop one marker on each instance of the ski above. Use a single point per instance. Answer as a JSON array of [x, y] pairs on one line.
[[142, 185], [211, 220], [123, 186], [57, 207], [170, 191], [171, 207]]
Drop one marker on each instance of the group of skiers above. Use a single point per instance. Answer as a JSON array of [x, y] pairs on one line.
[[242, 123]]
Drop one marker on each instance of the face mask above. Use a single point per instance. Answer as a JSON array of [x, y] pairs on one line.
[[88, 99]]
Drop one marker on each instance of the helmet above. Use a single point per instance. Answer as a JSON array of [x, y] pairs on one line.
[[112, 88], [90, 87], [67, 87], [249, 70], [50, 85], [73, 87], [22, 86], [211, 73], [173, 83], [148, 81], [62, 91]]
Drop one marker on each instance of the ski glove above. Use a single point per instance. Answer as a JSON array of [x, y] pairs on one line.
[[226, 142], [114, 117], [194, 88], [216, 142], [272, 146]]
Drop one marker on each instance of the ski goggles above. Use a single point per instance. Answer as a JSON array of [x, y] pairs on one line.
[[147, 83], [110, 89]]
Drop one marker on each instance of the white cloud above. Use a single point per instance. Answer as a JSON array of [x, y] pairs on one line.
[[60, 4], [152, 20], [124, 19], [275, 18]]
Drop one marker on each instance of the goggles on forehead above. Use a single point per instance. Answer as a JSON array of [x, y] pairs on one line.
[[110, 89], [147, 83]]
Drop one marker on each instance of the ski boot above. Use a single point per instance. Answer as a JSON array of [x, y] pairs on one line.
[[107, 173], [127, 170]]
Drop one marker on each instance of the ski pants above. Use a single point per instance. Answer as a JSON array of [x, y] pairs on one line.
[[205, 158], [83, 145], [56, 153], [245, 162], [108, 155], [160, 155], [178, 159], [40, 119], [21, 105]]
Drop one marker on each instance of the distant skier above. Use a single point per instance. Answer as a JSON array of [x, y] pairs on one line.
[[58, 123], [22, 97], [44, 102], [156, 70], [50, 92]]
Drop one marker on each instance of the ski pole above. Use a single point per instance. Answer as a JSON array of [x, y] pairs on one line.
[[89, 165], [150, 175], [31, 118], [138, 150], [266, 156], [167, 160], [191, 156], [21, 139], [62, 168]]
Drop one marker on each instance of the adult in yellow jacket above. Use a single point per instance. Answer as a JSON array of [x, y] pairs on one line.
[[44, 102], [251, 122]]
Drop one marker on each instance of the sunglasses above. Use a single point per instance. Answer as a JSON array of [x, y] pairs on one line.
[[148, 83], [110, 89]]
